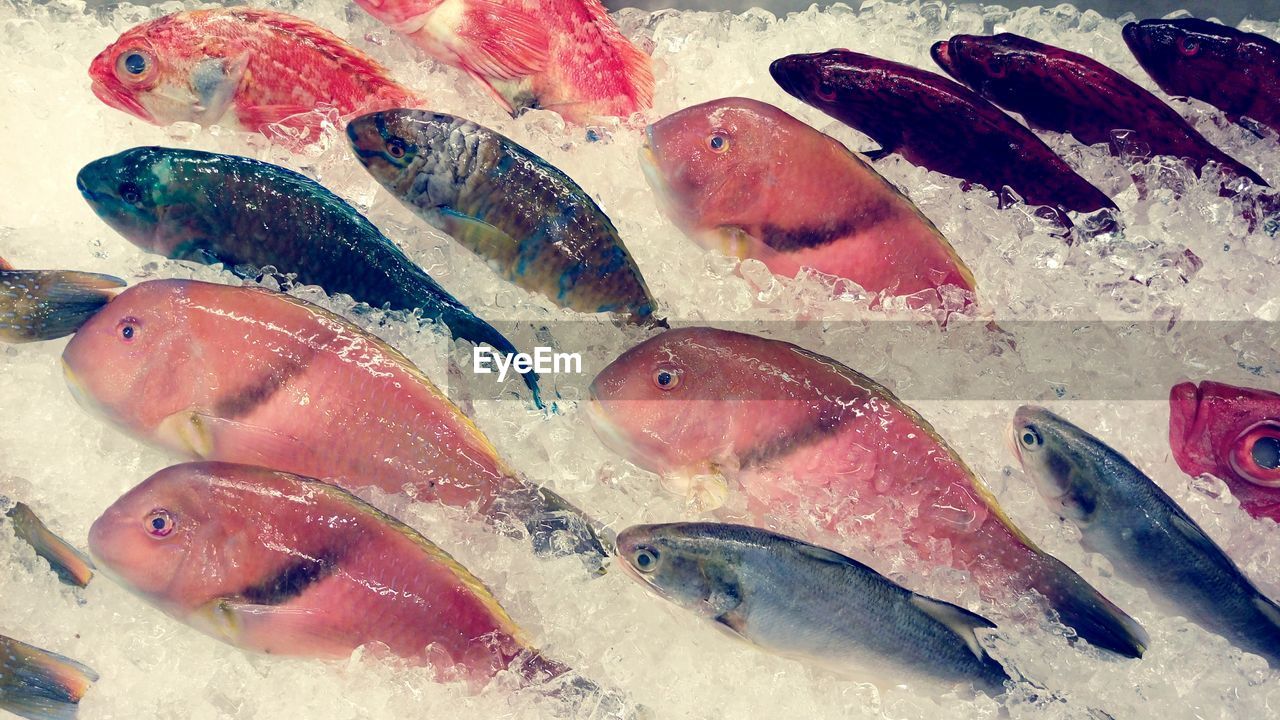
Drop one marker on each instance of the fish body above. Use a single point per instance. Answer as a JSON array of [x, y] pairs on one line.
[[242, 68], [1233, 433], [747, 179], [1125, 516], [937, 124], [40, 685], [1063, 91], [275, 563], [561, 55], [247, 375], [531, 222], [1237, 72], [49, 304], [799, 443], [71, 565], [808, 603], [212, 208]]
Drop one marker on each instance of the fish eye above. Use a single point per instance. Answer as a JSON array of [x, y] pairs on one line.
[[1189, 46], [645, 559], [396, 147], [718, 142], [824, 91], [1266, 452], [1030, 438], [997, 66], [666, 378], [130, 193], [134, 65], [159, 523], [1255, 454], [128, 329]]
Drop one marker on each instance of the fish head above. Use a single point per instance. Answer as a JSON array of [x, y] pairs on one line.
[[389, 144], [1052, 452], [1002, 68], [842, 83], [1187, 56], [134, 191], [711, 164], [679, 563], [674, 404], [1228, 431], [174, 68], [164, 539], [135, 362]]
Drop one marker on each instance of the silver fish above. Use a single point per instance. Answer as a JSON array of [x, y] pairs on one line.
[[809, 603], [1125, 516]]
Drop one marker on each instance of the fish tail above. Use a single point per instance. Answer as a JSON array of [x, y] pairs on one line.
[[1085, 610], [466, 325], [70, 564], [49, 304], [38, 684]]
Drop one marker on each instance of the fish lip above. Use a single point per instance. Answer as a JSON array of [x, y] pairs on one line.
[[1185, 401], [1132, 38], [942, 54], [780, 71], [121, 101]]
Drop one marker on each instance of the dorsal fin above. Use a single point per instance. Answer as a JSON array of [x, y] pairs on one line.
[[958, 620]]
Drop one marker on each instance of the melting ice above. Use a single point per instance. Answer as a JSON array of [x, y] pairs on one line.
[[1185, 255]]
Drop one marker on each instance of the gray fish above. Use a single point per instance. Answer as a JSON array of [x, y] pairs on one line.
[[1125, 516], [49, 304], [809, 603], [38, 684], [71, 565], [533, 224]]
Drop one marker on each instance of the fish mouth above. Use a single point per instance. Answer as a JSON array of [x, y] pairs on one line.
[[785, 73], [1133, 37], [122, 101], [607, 431], [943, 54], [1184, 410]]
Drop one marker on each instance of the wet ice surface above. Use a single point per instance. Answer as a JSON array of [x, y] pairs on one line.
[[1184, 255]]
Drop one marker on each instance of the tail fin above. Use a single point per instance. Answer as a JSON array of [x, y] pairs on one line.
[[1084, 609], [38, 684], [70, 564], [49, 304]]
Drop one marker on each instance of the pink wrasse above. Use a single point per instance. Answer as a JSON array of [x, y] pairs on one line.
[[247, 375], [244, 68], [1233, 433], [804, 445], [561, 55], [276, 563], [745, 178]]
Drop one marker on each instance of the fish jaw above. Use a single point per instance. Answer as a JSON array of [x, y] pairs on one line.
[[1185, 425], [123, 101]]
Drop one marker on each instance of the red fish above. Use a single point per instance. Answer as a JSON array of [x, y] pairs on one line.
[[1233, 433], [1235, 71], [746, 178], [801, 444], [246, 375], [280, 564], [242, 68], [561, 55], [1063, 91]]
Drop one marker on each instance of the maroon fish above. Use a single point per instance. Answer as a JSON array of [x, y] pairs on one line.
[[1235, 71], [937, 124], [1063, 91], [1233, 433], [286, 565]]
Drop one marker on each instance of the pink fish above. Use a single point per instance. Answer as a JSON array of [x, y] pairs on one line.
[[561, 55], [801, 444], [246, 375], [745, 178], [280, 564], [1233, 433], [242, 68]]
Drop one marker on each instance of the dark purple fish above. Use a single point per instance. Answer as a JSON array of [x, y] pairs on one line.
[[1062, 91], [1235, 71], [937, 124]]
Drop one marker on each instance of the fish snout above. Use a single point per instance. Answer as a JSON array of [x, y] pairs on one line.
[[942, 55], [787, 74], [1134, 37]]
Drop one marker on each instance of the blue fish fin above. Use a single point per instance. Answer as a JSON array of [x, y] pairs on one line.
[[478, 235], [217, 80], [1268, 608], [956, 619], [1188, 529], [879, 153], [39, 684]]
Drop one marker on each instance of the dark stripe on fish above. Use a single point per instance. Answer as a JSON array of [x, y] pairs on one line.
[[294, 580], [800, 238], [805, 435], [247, 399]]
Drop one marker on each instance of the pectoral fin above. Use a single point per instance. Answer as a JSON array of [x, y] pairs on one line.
[[275, 629], [958, 620], [485, 239], [879, 153], [499, 40], [216, 81], [204, 436]]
